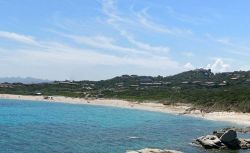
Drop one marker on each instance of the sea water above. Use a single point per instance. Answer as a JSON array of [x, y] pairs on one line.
[[42, 127]]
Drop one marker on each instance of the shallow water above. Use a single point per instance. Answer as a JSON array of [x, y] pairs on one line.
[[27, 126]]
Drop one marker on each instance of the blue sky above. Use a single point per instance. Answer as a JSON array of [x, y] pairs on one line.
[[99, 39]]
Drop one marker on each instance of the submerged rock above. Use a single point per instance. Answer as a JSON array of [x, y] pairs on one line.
[[151, 150]]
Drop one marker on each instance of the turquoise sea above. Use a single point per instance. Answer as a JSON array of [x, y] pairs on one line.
[[40, 127]]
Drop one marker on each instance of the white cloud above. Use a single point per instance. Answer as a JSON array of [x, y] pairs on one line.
[[107, 43], [142, 45], [17, 37], [218, 66], [117, 22], [94, 50], [189, 66], [245, 68], [144, 20], [109, 9], [138, 19], [61, 53], [55, 60]]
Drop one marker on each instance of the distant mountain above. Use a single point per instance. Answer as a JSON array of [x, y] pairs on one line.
[[27, 80]]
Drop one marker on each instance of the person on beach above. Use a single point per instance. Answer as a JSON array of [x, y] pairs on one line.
[[202, 113]]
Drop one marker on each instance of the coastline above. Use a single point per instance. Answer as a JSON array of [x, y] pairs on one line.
[[233, 117]]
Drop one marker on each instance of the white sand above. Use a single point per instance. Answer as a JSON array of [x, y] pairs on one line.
[[233, 117]]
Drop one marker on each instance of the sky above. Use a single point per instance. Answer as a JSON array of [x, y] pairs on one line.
[[100, 39]]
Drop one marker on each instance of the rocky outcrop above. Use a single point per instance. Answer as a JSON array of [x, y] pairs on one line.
[[223, 140], [151, 150]]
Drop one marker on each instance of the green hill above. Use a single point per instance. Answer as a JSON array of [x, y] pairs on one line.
[[202, 88]]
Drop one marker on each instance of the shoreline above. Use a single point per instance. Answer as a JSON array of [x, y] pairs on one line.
[[232, 117]]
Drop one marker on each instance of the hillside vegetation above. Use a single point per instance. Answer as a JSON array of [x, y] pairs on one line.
[[202, 88]]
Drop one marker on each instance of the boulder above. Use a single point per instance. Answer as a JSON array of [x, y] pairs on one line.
[[210, 141], [228, 136], [151, 150], [247, 140], [244, 144], [235, 144]]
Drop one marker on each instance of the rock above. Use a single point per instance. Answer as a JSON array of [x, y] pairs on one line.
[[218, 133], [234, 144], [151, 150], [247, 140], [223, 140], [244, 144], [228, 136], [210, 141]]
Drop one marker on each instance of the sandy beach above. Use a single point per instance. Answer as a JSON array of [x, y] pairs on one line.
[[233, 117]]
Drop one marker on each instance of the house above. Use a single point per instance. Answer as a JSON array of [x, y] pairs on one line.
[[234, 78], [176, 87], [166, 83], [6, 85], [87, 88], [67, 82], [210, 83], [38, 94], [119, 84], [151, 84], [222, 84], [196, 82]]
